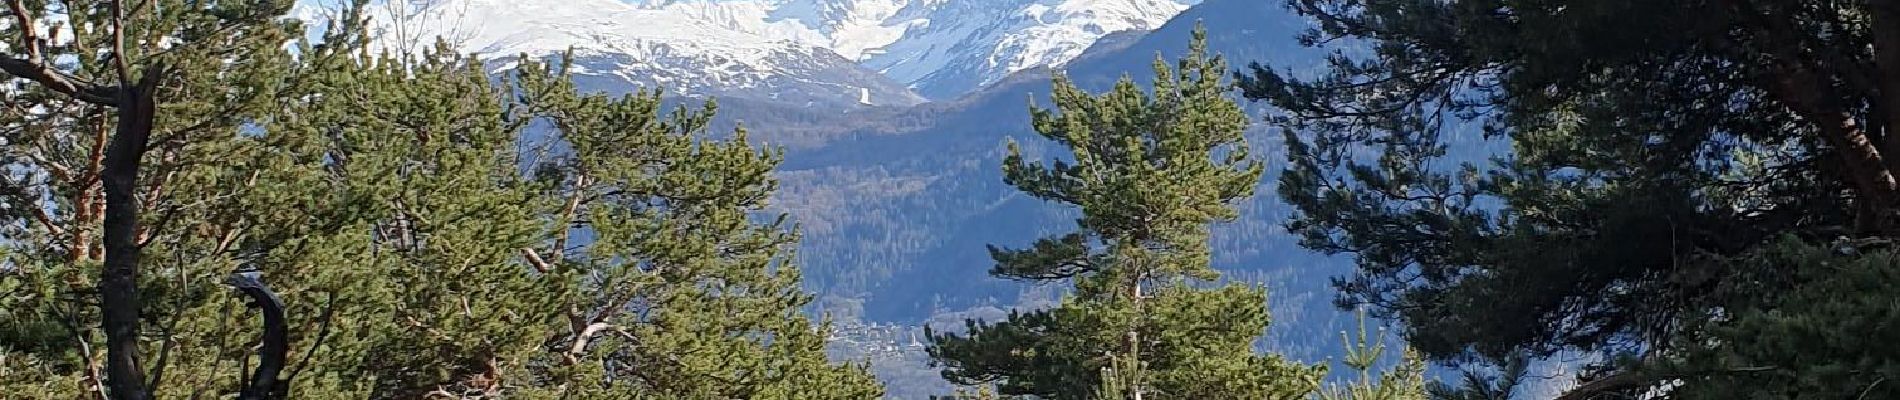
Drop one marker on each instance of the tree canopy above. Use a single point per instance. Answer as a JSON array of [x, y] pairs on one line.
[[1150, 171], [1660, 156], [433, 231]]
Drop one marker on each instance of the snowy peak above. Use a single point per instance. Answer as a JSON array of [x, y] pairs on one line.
[[849, 27], [954, 47], [687, 48], [946, 48], [504, 27], [811, 51]]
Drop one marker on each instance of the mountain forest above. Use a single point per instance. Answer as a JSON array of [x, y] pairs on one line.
[[950, 199]]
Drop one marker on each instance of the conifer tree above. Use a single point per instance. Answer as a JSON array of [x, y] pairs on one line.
[[1549, 177], [374, 197], [384, 199], [685, 292], [1150, 171], [87, 156], [1405, 381]]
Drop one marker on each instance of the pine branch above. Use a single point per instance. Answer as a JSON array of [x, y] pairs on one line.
[[32, 65]]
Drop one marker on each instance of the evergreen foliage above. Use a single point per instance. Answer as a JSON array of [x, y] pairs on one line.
[[1811, 321], [1150, 171], [1484, 382], [89, 173], [386, 201], [1656, 151], [1700, 194], [690, 296], [1363, 353]]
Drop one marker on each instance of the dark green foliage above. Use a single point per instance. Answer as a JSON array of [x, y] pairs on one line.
[[1149, 172], [1820, 322], [1026, 353], [692, 297], [1645, 150], [77, 117], [1482, 383]]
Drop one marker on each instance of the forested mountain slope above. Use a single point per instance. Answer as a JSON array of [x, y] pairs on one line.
[[899, 219]]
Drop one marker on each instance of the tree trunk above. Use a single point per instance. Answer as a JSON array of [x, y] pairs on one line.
[[1886, 35], [275, 346], [1806, 87], [118, 286], [1804, 90], [1134, 335]]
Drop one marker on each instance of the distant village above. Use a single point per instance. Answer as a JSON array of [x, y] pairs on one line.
[[895, 353]]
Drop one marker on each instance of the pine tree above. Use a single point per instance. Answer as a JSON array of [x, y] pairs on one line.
[[105, 102], [1150, 171], [385, 200], [1363, 353], [1545, 177], [393, 248], [686, 293]]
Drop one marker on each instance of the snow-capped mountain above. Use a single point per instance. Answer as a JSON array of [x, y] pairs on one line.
[[952, 47], [716, 49], [810, 52]]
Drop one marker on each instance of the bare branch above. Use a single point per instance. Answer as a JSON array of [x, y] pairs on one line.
[[582, 339], [57, 81], [33, 65], [85, 351], [534, 259], [1870, 388], [118, 43], [40, 215], [567, 212]]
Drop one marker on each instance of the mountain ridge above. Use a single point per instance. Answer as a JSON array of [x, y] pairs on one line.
[[896, 222], [837, 54]]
